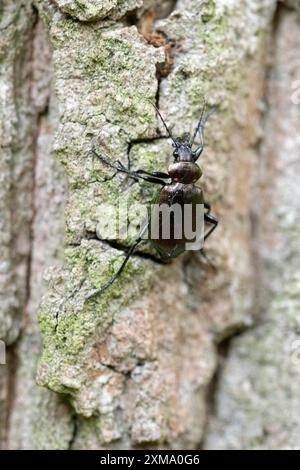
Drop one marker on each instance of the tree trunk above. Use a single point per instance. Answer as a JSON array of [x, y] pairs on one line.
[[149, 362]]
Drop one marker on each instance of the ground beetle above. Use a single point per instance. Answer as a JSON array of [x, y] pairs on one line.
[[181, 189]]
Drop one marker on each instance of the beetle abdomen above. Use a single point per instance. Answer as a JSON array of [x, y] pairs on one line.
[[180, 193], [168, 227]]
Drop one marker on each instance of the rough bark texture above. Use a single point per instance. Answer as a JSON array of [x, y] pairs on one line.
[[138, 366], [260, 381]]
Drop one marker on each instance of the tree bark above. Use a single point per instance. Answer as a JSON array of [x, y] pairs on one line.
[[260, 380], [144, 364]]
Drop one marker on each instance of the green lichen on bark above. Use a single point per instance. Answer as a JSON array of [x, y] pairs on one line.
[[111, 80], [137, 362], [104, 76], [92, 10]]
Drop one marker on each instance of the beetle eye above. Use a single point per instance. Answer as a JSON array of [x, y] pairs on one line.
[[175, 153]]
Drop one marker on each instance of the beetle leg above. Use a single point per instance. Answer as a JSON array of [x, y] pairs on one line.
[[117, 274], [121, 268], [149, 179], [207, 259], [119, 167], [104, 180], [156, 174], [117, 164], [211, 220], [214, 221], [208, 207]]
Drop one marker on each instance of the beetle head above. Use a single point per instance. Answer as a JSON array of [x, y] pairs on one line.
[[183, 149]]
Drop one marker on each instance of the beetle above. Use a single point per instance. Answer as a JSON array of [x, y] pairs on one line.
[[177, 186]]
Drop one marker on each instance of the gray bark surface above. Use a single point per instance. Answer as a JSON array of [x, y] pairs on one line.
[[144, 364], [260, 380]]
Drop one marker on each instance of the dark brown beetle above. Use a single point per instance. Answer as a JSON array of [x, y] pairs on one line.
[[181, 190]]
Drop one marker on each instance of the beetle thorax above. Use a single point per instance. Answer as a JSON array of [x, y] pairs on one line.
[[184, 172]]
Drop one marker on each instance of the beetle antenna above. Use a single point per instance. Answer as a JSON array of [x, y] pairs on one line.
[[212, 111], [198, 125], [164, 123]]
